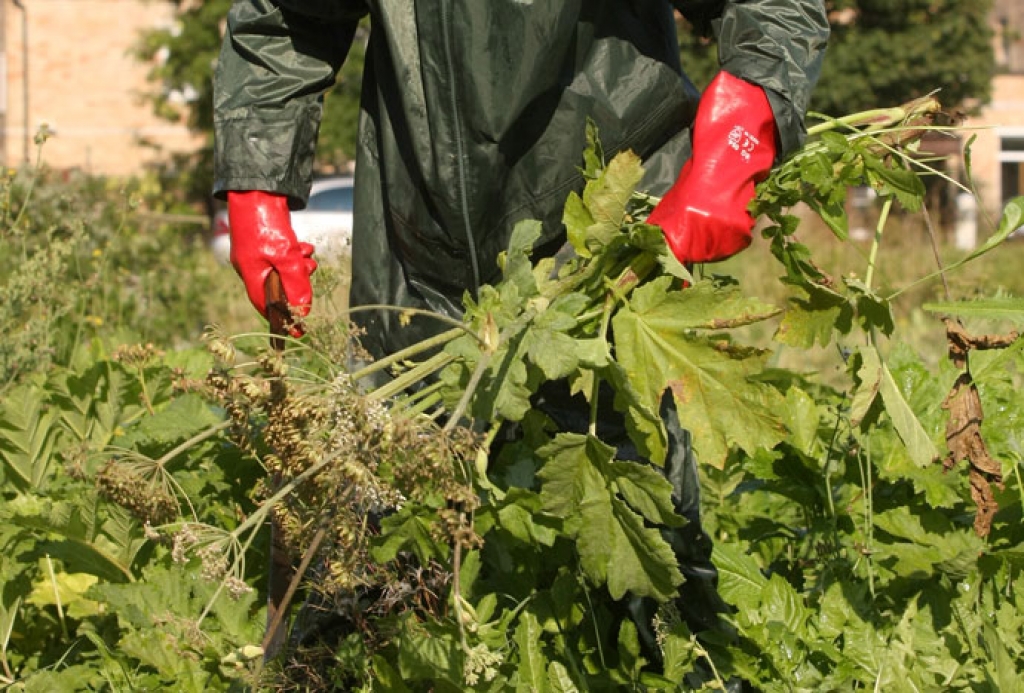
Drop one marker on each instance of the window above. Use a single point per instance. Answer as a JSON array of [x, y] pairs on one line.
[[1011, 166]]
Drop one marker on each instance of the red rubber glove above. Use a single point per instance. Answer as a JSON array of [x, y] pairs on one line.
[[704, 215], [262, 240]]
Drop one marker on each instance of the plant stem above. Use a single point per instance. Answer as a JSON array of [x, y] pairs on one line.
[[237, 565], [865, 480], [293, 585], [883, 218], [702, 652], [593, 615], [260, 514], [412, 376], [872, 119], [5, 639], [828, 470], [56, 598], [28, 196], [595, 387], [467, 395], [935, 250], [460, 618], [194, 440], [420, 401], [409, 352]]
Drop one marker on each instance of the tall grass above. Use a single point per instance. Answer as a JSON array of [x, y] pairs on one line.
[[84, 257]]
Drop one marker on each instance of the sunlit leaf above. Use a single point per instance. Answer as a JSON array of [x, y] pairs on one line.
[[532, 671], [718, 401]]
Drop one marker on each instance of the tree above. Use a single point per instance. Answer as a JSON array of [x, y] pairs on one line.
[[886, 52]]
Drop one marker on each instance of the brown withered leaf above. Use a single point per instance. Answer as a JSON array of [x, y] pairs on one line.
[[963, 427]]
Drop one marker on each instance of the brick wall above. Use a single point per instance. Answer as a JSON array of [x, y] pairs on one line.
[[83, 83]]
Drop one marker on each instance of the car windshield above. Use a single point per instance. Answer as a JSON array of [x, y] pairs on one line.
[[331, 200]]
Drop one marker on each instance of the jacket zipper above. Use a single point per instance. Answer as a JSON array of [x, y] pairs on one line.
[[460, 145]]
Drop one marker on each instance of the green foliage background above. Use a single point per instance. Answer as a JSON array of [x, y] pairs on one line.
[[135, 447], [133, 524]]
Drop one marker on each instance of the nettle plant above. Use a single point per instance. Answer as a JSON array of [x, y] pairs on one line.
[[448, 536]]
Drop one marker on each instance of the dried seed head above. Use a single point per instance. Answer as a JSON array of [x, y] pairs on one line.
[[236, 588], [150, 502], [184, 540]]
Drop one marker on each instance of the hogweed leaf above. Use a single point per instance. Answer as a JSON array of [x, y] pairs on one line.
[[608, 196], [595, 219], [1003, 669], [782, 604], [640, 560], [812, 318], [645, 427], [518, 515], [869, 380], [560, 680], [182, 418], [919, 444], [409, 529], [532, 672], [593, 154], [571, 474], [719, 401], [741, 582], [615, 546], [647, 492], [548, 346], [704, 305], [926, 541], [429, 653], [103, 544], [28, 436], [68, 590], [873, 311], [895, 180], [515, 262], [577, 220]]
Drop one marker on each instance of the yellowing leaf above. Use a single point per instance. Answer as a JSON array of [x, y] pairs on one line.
[[595, 219], [67, 590]]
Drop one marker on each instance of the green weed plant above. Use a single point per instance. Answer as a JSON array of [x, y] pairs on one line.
[[866, 524]]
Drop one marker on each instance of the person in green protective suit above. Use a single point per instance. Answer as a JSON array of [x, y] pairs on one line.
[[474, 116]]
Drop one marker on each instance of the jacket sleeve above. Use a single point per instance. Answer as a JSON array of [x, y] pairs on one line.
[[776, 44], [277, 59]]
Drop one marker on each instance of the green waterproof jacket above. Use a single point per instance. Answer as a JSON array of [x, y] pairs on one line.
[[473, 117]]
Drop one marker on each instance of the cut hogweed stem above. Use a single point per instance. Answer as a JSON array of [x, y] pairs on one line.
[[878, 118], [409, 352], [414, 375]]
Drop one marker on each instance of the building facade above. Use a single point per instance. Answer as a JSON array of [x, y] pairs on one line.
[[66, 64], [997, 153]]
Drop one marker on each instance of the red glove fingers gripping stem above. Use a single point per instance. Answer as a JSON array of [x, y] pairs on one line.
[[262, 240], [704, 215]]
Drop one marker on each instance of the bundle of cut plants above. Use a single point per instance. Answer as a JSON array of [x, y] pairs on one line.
[[451, 532]]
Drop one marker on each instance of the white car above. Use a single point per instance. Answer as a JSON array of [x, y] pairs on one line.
[[326, 222]]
